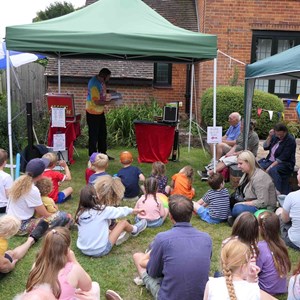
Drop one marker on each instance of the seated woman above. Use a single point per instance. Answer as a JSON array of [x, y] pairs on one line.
[[257, 187], [280, 161], [25, 200], [231, 157]]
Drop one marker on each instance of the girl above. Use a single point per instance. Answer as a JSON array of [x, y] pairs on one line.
[[96, 208], [158, 172], [182, 183], [57, 266], [245, 228], [294, 285], [240, 276], [155, 213], [273, 258]]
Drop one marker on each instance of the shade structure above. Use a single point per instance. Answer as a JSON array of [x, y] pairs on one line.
[[113, 29], [285, 65], [17, 59]]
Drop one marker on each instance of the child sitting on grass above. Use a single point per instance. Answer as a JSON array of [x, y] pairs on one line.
[[155, 213], [95, 210], [57, 178], [89, 171], [9, 226], [99, 165], [158, 172], [5, 182], [213, 207], [182, 183], [130, 177]]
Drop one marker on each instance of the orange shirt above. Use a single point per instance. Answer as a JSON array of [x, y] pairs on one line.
[[182, 186]]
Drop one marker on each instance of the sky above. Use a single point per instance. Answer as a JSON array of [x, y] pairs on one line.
[[17, 12]]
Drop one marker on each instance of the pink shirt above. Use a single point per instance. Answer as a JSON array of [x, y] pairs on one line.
[[67, 290], [153, 210]]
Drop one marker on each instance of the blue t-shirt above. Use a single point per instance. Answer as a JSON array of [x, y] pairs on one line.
[[94, 176], [130, 179], [233, 132]]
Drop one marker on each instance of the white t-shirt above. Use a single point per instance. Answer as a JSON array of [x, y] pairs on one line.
[[291, 205], [294, 288], [244, 290], [5, 184], [23, 208]]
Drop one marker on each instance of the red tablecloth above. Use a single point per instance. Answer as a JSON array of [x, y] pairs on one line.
[[154, 141], [72, 131]]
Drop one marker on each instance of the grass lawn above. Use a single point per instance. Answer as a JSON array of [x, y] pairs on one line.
[[116, 270]]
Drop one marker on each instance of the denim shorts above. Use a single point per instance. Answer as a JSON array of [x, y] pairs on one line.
[[153, 223], [204, 215], [152, 284], [105, 251]]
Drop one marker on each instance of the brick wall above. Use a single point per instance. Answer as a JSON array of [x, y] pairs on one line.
[[233, 21]]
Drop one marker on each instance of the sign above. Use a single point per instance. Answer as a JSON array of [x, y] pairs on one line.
[[59, 142], [214, 135], [60, 101], [58, 117]]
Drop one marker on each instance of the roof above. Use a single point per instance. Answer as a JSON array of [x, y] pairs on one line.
[[179, 12]]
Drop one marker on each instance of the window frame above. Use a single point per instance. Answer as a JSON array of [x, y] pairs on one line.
[[169, 75], [275, 36]]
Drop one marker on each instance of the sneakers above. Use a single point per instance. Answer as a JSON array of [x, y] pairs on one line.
[[138, 280], [204, 175], [110, 158], [230, 221], [141, 226], [112, 295], [122, 238], [39, 230]]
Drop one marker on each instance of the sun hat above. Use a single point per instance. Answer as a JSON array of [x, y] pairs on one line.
[[126, 157], [36, 166]]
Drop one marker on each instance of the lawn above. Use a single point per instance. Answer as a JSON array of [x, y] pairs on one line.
[[116, 271]]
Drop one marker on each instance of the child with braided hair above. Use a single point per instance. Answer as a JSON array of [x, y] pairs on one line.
[[273, 259], [240, 276]]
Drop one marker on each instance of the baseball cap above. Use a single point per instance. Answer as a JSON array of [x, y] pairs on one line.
[[93, 157], [36, 166], [126, 157]]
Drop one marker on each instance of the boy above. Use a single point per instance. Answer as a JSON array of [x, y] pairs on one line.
[[130, 177], [5, 182], [99, 163], [217, 199], [57, 178]]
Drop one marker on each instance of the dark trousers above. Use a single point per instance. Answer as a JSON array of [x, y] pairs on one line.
[[280, 174], [97, 133]]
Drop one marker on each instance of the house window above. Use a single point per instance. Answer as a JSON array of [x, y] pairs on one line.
[[267, 43], [162, 74]]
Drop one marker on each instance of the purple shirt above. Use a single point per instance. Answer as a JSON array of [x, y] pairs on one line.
[[233, 132], [269, 279], [181, 256]]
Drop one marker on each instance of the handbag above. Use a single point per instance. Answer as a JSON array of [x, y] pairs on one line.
[[238, 195]]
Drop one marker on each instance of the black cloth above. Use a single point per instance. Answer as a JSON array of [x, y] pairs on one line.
[[97, 133]]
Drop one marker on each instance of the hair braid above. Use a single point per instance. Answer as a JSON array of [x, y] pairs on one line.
[[229, 283]]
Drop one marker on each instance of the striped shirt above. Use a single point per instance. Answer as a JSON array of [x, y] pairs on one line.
[[218, 201]]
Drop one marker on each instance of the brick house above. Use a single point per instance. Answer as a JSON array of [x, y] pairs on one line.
[[247, 31]]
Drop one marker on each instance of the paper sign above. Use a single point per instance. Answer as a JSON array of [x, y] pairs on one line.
[[58, 117], [59, 142], [214, 135]]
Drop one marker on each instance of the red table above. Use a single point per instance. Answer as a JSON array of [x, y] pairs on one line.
[[154, 140], [72, 131]]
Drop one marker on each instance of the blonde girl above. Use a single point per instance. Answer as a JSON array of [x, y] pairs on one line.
[[155, 213], [240, 276], [182, 183], [57, 266], [273, 259], [96, 209]]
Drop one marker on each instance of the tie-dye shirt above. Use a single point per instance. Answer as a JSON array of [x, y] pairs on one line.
[[96, 91]]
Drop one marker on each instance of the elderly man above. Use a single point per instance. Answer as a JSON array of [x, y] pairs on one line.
[[179, 259]]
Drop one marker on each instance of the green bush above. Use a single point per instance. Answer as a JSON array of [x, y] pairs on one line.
[[230, 99]]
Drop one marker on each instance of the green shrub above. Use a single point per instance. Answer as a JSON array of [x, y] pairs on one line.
[[230, 99], [294, 128]]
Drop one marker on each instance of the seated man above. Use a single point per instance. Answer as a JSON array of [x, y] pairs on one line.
[[280, 161], [179, 261], [229, 139], [231, 157]]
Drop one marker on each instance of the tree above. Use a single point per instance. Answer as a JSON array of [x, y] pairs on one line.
[[54, 10]]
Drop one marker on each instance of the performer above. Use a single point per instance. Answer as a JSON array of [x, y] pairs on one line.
[[97, 95]]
